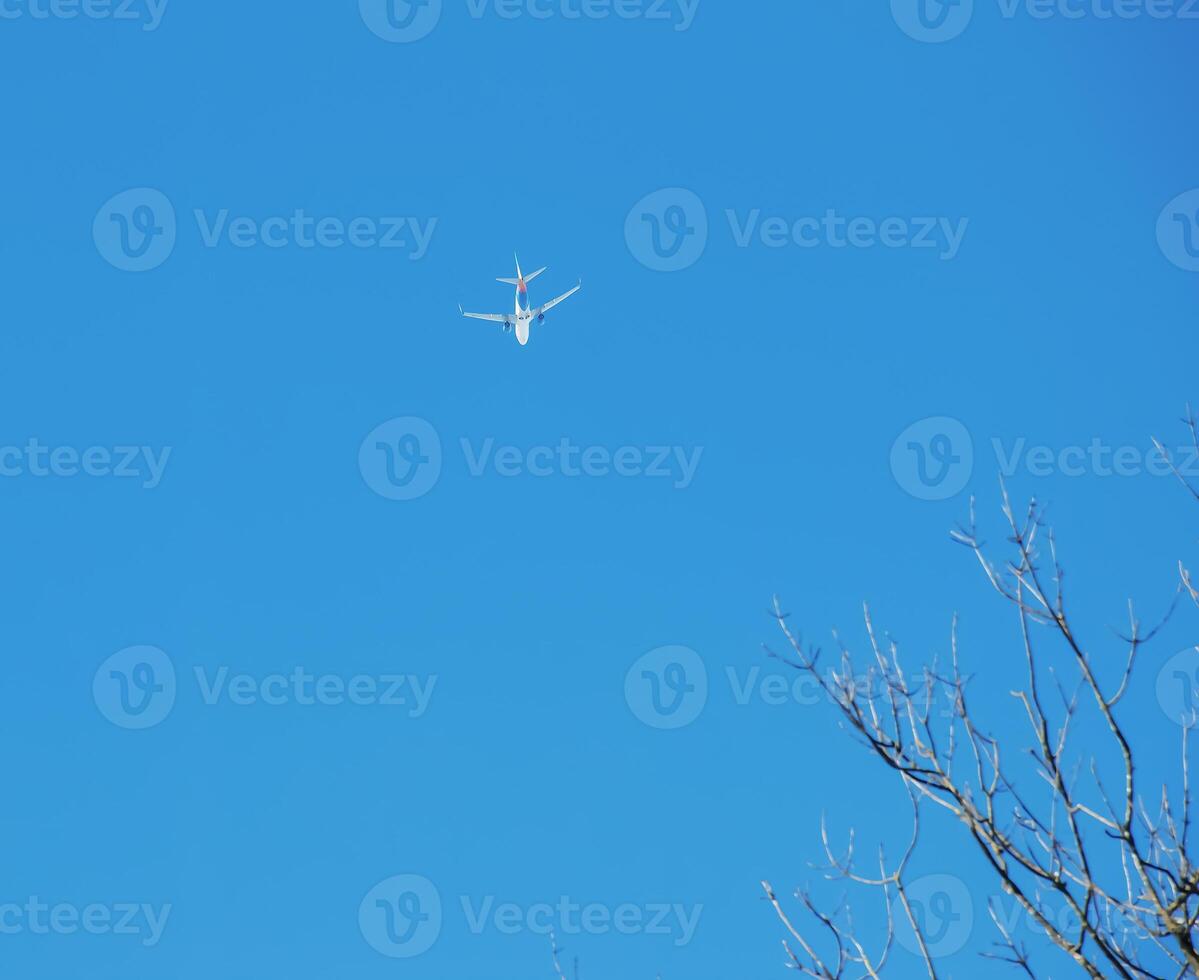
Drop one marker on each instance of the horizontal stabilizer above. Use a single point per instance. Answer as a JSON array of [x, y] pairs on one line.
[[529, 278]]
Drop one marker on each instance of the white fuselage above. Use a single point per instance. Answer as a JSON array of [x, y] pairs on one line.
[[523, 315]]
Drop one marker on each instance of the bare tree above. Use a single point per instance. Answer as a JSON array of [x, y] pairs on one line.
[[1068, 848], [556, 952]]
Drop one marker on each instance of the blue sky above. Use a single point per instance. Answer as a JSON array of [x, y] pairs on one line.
[[713, 420]]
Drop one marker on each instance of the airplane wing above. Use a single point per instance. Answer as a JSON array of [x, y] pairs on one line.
[[495, 317], [554, 302]]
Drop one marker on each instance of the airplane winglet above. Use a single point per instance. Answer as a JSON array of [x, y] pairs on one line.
[[461, 310]]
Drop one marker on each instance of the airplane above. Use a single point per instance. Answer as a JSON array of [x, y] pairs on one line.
[[523, 315]]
